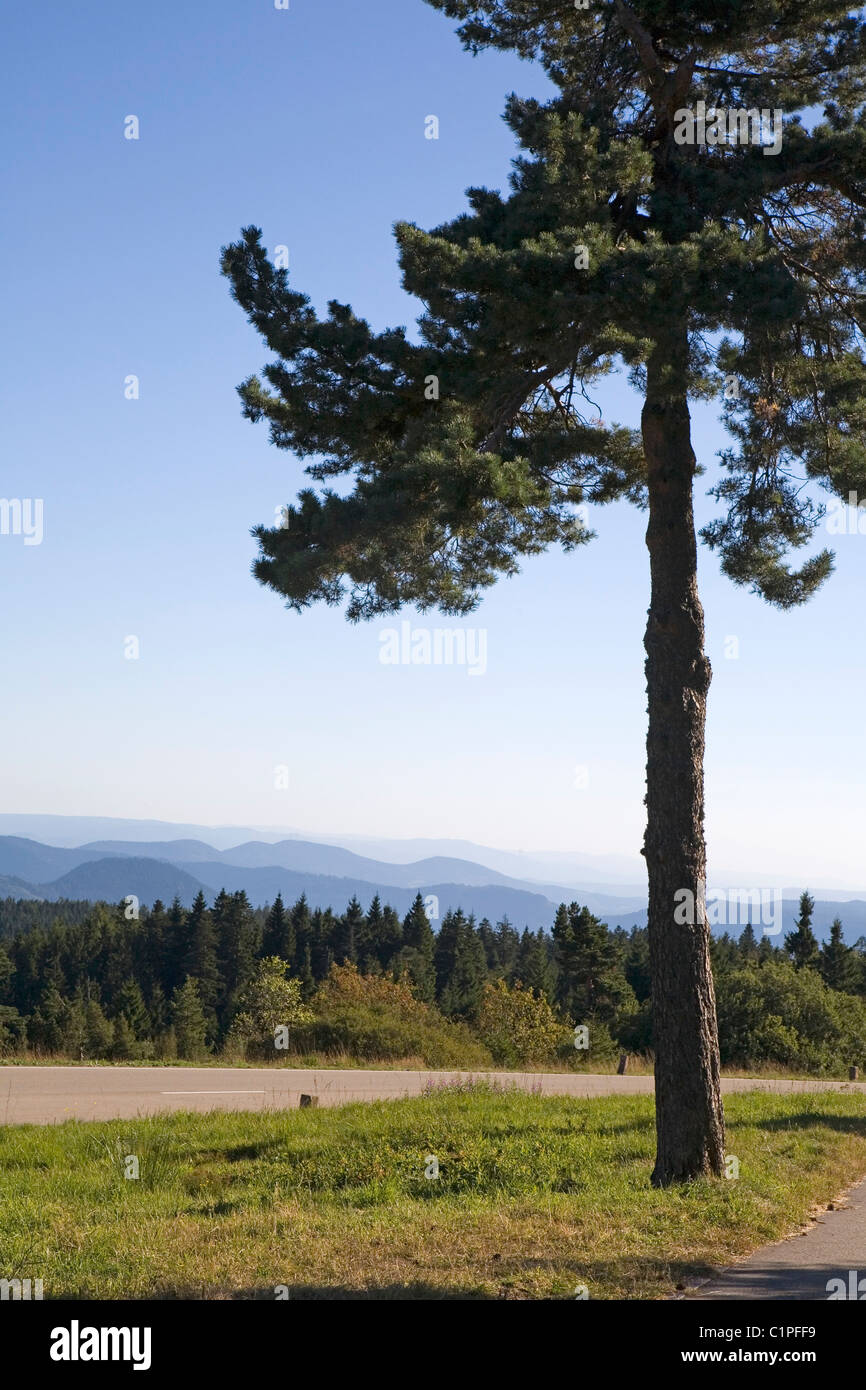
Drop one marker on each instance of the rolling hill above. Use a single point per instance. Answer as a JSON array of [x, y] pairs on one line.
[[111, 869]]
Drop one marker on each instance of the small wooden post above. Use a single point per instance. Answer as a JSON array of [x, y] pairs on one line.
[[853, 1073], [308, 1100], [623, 1064]]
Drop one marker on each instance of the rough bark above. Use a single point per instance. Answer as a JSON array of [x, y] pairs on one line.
[[689, 1116]]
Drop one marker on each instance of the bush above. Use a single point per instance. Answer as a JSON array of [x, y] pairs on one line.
[[269, 1007], [774, 1013], [13, 1031], [602, 1047], [375, 1017], [519, 1026]]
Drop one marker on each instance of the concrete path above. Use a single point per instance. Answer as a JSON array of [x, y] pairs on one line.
[[49, 1095], [805, 1265]]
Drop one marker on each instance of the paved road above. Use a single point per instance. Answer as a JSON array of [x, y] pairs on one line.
[[803, 1265], [48, 1095]]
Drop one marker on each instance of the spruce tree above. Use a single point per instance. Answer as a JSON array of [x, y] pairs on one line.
[[189, 1022], [461, 969], [634, 237], [349, 929], [48, 1023], [507, 945], [158, 1009], [586, 957], [417, 952], [802, 944], [99, 1030], [302, 932], [369, 937], [175, 946], [766, 950], [130, 1003], [489, 941], [239, 938], [837, 963], [158, 965], [724, 953], [322, 935], [278, 938], [123, 1044], [75, 1027], [201, 960], [533, 966], [390, 937]]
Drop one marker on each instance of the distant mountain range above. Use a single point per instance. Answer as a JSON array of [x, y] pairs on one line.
[[612, 874], [182, 861], [329, 875]]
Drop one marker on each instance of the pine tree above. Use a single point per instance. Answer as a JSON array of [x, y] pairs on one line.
[[278, 938], [189, 1022], [303, 933], [490, 943], [533, 966], [507, 947], [175, 946], [158, 964], [390, 937], [381, 937], [239, 939], [461, 969], [586, 957], [99, 1030], [130, 1003], [369, 939], [748, 945], [632, 239], [349, 928], [323, 928], [801, 944], [563, 951], [75, 1027], [201, 960], [47, 1024], [724, 953], [417, 953], [123, 1045], [158, 1010], [766, 950], [837, 963]]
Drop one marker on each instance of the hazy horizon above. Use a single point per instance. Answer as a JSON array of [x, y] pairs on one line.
[[613, 871]]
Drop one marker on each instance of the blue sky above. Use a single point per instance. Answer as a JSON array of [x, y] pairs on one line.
[[310, 123]]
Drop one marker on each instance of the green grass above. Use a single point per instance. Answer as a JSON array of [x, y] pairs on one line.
[[535, 1197]]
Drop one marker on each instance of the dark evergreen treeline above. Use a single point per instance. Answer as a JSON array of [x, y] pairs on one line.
[[93, 983], [19, 914]]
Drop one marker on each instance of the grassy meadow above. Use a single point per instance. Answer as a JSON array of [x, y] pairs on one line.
[[535, 1197]]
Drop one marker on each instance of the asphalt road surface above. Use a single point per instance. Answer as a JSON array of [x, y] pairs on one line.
[[828, 1259], [49, 1095]]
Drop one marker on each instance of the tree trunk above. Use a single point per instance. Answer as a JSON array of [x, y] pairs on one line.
[[689, 1116]]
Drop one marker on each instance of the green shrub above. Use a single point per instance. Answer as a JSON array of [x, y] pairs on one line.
[[377, 1018], [774, 1013], [519, 1026]]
